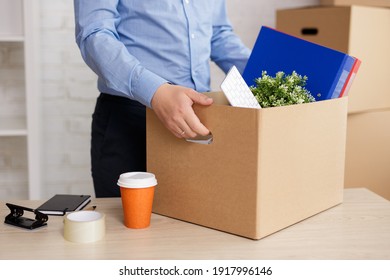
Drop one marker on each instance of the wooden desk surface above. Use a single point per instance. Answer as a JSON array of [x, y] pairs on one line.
[[357, 229]]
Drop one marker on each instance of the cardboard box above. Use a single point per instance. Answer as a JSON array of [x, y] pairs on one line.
[[265, 170], [356, 30], [368, 152], [378, 3]]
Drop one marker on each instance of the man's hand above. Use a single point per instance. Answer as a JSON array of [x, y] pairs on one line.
[[173, 106]]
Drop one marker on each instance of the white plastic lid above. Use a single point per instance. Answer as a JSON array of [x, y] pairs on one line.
[[137, 180]]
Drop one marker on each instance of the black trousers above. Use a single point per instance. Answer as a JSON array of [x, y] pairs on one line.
[[118, 142]]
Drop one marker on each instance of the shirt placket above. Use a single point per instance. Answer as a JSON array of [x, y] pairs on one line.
[[191, 39]]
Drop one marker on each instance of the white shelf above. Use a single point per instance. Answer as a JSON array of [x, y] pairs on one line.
[[11, 18], [20, 23], [13, 127], [11, 38], [13, 132]]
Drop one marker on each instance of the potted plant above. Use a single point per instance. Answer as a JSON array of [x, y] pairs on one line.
[[281, 90]]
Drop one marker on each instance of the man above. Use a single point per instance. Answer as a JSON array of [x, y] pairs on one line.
[[152, 53]]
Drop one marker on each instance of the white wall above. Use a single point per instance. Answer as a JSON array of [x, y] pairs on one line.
[[247, 16], [69, 91], [68, 97]]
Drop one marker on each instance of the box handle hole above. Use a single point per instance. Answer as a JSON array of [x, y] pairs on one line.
[[205, 140], [309, 31]]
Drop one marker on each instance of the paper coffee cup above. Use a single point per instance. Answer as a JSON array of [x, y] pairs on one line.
[[137, 192]]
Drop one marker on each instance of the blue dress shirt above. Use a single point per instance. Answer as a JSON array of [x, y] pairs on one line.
[[134, 46]]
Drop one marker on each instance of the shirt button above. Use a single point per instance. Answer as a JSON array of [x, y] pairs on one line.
[[192, 35], [187, 1]]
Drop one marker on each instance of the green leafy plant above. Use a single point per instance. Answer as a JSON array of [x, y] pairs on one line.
[[281, 90]]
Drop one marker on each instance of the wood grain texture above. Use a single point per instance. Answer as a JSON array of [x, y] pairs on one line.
[[359, 228]]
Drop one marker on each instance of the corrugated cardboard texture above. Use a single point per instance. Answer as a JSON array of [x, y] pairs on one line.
[[358, 31], [379, 3], [368, 152], [265, 170]]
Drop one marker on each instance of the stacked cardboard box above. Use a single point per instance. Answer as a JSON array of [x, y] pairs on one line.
[[378, 3], [364, 32], [368, 152]]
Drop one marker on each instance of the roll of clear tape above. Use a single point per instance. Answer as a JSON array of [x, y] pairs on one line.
[[84, 226]]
